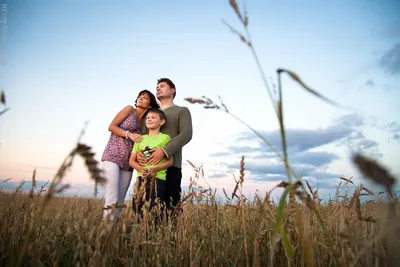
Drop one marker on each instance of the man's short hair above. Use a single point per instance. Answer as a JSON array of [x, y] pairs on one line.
[[169, 82]]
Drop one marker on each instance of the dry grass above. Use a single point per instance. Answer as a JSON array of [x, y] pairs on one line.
[[3, 101], [209, 233]]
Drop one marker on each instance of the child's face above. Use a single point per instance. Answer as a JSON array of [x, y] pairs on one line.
[[154, 121]]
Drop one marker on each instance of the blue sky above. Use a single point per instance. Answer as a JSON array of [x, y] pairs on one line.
[[68, 62]]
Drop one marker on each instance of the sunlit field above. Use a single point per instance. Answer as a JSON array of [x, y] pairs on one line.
[[228, 231]]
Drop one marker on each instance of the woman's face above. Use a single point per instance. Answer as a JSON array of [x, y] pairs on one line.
[[143, 101]]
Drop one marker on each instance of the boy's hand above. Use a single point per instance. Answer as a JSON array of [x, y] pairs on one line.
[[156, 157], [140, 159]]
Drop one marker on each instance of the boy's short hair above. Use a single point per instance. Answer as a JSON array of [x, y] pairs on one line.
[[159, 112]]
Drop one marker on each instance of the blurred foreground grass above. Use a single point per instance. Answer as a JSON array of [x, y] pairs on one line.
[[70, 232]]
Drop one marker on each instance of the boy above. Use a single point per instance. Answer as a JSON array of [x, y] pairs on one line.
[[151, 179]]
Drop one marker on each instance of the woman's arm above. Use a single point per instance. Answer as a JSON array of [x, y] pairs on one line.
[[118, 119]]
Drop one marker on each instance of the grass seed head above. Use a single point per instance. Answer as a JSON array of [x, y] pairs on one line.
[[374, 171]]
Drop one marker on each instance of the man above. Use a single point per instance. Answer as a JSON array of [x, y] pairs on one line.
[[179, 127]]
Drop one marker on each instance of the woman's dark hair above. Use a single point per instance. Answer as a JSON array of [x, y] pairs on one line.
[[153, 101]]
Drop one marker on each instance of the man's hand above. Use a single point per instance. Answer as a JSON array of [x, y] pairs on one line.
[[140, 159], [156, 157]]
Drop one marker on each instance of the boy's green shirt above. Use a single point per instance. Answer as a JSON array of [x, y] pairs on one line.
[[158, 141], [179, 127]]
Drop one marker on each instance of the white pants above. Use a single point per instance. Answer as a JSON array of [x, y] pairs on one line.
[[115, 187]]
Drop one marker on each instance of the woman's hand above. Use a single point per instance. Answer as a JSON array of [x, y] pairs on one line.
[[135, 137]]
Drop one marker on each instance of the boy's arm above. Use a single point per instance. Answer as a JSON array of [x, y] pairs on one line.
[[140, 159], [139, 155], [133, 163]]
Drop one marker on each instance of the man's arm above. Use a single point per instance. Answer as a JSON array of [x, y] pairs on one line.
[[185, 133], [162, 166]]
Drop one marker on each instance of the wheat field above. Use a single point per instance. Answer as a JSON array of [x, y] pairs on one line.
[[210, 232]]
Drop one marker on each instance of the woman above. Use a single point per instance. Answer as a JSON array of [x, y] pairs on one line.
[[125, 129]]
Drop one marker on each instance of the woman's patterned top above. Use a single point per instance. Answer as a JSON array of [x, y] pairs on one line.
[[119, 149]]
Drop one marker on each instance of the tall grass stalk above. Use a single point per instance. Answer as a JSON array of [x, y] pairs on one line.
[[96, 174], [277, 104]]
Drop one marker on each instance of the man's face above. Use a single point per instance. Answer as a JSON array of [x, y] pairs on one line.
[[164, 91]]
